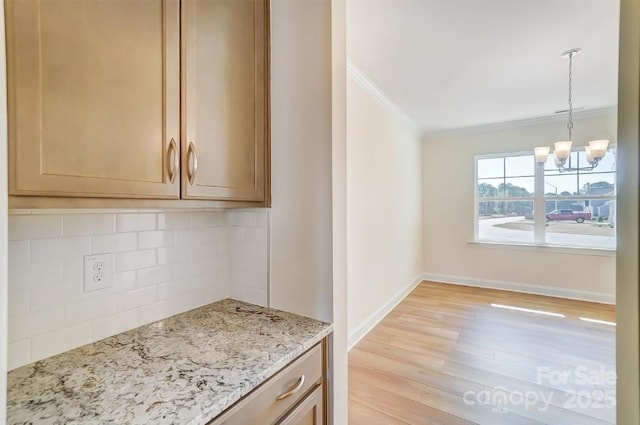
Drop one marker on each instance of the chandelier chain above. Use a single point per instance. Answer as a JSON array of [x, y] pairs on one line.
[[570, 123]]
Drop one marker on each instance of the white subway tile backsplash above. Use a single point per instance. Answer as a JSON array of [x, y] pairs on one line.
[[164, 263], [255, 235], [18, 252], [200, 268], [207, 219], [221, 263], [250, 295], [191, 237], [262, 251], [115, 323], [153, 275], [117, 242], [173, 221], [88, 224], [45, 297], [17, 351], [172, 290], [28, 326], [29, 275], [253, 265], [124, 281], [200, 297], [202, 252], [249, 245], [181, 270], [248, 279], [262, 219], [135, 260], [91, 306], [156, 239], [136, 298], [172, 255], [202, 282], [135, 222], [159, 311], [73, 269], [49, 344], [19, 302], [242, 218], [43, 250], [25, 227]]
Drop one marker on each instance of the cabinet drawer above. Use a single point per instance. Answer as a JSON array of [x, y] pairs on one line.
[[310, 411], [277, 395]]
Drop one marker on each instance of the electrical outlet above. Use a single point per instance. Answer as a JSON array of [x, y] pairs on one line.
[[98, 271]]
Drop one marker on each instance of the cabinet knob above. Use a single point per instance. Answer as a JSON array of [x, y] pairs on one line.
[[192, 163], [172, 161], [292, 391]]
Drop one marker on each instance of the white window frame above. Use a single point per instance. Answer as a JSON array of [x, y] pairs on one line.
[[539, 204]]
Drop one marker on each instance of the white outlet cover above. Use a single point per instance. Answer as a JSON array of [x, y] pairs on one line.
[[98, 271]]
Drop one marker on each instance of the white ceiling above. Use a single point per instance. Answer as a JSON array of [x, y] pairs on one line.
[[459, 63]]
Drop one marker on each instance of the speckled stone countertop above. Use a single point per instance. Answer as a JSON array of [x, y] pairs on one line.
[[186, 369]]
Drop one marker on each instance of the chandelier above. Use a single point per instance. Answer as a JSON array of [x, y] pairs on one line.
[[562, 149]]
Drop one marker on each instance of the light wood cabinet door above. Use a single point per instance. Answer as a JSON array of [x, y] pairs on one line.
[[309, 412], [94, 97], [225, 103]]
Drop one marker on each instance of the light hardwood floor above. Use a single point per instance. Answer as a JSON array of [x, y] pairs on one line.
[[445, 355]]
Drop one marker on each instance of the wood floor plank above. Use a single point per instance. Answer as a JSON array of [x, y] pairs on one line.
[[431, 396], [415, 334], [359, 414], [443, 343], [399, 407]]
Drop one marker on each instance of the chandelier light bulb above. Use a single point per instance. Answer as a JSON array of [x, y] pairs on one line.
[[598, 148], [587, 151], [541, 154], [563, 149], [559, 162]]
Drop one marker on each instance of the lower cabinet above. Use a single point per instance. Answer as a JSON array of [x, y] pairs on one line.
[[295, 395], [309, 412]]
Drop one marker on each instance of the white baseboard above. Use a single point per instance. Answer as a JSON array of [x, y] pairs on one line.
[[572, 294], [378, 315]]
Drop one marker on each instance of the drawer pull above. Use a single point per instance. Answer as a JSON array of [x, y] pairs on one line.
[[292, 391]]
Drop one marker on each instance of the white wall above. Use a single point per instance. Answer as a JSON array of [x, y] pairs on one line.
[[448, 206], [3, 225], [308, 60], [164, 263], [301, 124], [628, 329], [384, 222], [339, 210]]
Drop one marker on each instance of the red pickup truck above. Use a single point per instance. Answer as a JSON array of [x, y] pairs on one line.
[[558, 215]]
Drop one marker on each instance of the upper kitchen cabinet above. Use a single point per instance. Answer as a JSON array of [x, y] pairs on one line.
[[166, 102], [225, 59], [94, 98]]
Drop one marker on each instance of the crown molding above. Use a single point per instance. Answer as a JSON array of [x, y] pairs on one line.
[[372, 89], [528, 122]]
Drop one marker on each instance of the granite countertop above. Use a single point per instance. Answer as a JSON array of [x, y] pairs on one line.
[[186, 369]]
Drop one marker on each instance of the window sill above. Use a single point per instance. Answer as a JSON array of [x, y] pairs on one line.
[[544, 248]]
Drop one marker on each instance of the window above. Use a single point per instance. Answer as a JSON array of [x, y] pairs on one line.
[[579, 206]]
